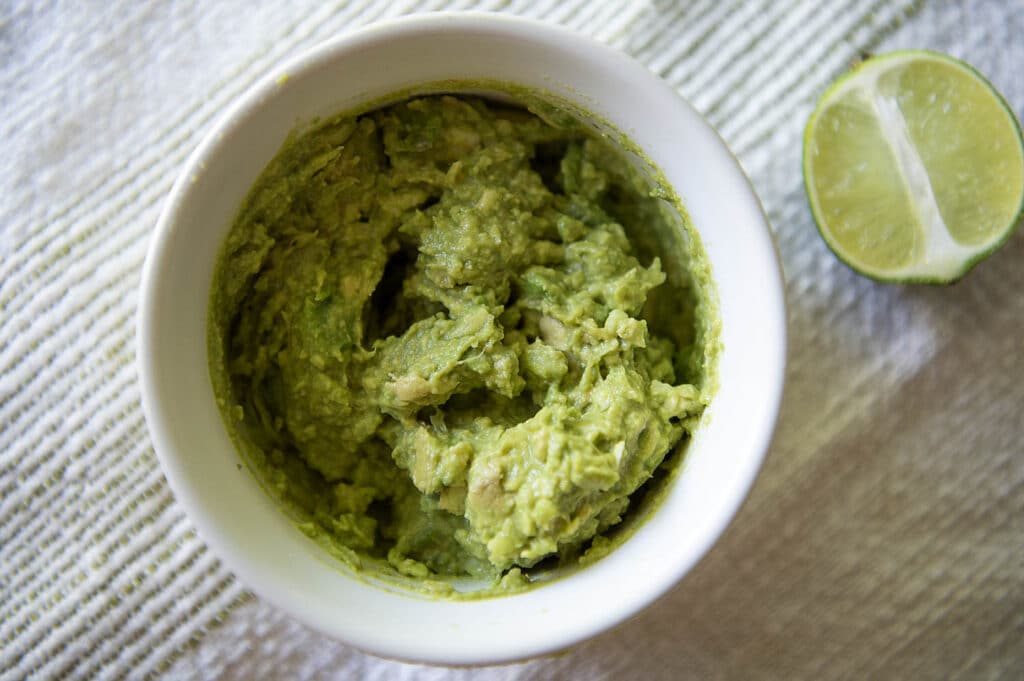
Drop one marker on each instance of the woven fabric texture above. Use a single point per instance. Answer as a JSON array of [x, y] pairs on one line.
[[883, 539]]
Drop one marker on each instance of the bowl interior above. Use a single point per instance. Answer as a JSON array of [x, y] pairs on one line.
[[244, 525]]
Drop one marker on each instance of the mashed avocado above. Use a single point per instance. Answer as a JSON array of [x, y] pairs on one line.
[[433, 335]]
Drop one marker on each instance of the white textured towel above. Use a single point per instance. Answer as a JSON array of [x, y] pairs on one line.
[[884, 538]]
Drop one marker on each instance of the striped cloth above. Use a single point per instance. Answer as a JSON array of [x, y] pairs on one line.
[[882, 540]]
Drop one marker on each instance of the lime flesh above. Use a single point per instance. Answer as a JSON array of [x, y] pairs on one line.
[[914, 167]]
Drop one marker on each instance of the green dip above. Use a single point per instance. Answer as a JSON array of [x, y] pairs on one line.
[[434, 334]]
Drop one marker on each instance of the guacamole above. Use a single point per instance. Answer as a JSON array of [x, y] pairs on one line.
[[441, 336]]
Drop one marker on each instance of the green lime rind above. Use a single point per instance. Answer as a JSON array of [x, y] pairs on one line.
[[898, 275]]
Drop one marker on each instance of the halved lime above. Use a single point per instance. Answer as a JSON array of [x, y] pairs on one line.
[[914, 167]]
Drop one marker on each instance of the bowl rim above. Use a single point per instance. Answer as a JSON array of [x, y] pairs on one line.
[[254, 96]]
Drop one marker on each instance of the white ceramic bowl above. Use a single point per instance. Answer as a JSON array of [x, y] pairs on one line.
[[247, 530]]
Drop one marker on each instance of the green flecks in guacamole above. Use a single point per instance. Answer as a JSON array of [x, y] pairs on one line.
[[439, 333]]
